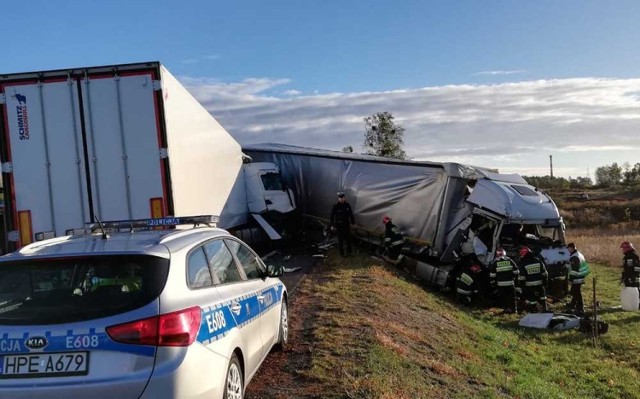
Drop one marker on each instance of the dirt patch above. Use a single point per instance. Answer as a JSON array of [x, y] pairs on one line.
[[285, 374]]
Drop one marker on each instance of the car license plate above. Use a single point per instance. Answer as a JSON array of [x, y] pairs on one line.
[[44, 365]]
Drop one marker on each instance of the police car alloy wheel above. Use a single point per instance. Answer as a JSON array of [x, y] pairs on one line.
[[283, 335], [233, 388]]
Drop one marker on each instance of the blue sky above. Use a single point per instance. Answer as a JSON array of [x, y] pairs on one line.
[[252, 62]]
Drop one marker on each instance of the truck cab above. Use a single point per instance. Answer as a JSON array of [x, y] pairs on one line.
[[506, 211], [266, 191]]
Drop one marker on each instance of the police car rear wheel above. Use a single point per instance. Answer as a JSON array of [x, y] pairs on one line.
[[233, 388], [283, 334]]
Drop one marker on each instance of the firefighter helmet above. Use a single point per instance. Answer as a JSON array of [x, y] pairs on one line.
[[386, 219], [500, 252], [627, 246], [524, 251]]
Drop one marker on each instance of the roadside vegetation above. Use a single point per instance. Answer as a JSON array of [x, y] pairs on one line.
[[364, 330]]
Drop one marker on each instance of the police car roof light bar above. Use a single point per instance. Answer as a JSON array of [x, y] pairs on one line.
[[209, 220]]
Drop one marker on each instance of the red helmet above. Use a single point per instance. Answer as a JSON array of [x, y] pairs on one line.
[[524, 251], [500, 252], [476, 268], [386, 219], [627, 246]]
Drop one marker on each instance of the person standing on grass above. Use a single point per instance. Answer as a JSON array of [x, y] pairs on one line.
[[533, 278], [630, 265], [342, 221], [579, 271], [502, 273]]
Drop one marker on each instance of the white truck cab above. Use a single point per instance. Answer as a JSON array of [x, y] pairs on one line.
[[266, 190]]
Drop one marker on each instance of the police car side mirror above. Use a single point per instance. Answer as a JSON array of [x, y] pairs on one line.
[[275, 270]]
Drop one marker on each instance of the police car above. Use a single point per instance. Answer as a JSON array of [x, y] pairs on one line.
[[137, 314]]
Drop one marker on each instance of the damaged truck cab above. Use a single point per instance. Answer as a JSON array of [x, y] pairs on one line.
[[503, 210]]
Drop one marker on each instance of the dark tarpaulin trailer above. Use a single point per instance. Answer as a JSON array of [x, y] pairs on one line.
[[421, 197]]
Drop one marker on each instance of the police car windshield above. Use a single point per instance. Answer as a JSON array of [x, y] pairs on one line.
[[51, 291]]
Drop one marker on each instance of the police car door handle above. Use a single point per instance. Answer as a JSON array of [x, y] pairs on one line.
[[235, 307], [261, 298]]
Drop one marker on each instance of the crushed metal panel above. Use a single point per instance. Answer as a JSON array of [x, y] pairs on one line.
[[536, 320], [271, 232], [509, 201]]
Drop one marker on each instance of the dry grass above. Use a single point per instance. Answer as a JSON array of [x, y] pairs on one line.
[[602, 245], [605, 208]]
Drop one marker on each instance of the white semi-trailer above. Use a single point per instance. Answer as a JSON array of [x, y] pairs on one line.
[[116, 142]]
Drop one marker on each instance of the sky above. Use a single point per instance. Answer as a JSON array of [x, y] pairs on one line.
[[501, 84]]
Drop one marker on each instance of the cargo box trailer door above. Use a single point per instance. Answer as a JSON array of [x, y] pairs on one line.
[[124, 144], [44, 170]]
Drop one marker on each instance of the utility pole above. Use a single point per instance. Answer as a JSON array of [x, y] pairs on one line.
[[551, 165]]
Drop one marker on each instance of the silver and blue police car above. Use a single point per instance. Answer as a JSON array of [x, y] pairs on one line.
[[143, 314]]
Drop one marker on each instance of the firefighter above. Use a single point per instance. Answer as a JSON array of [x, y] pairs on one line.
[[579, 271], [393, 240], [342, 221], [532, 278], [467, 283], [502, 273], [630, 265]]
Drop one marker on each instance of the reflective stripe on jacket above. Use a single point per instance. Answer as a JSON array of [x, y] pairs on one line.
[[503, 271], [532, 271], [578, 271], [466, 285]]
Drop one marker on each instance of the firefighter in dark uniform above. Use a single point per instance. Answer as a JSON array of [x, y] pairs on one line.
[[468, 282], [502, 273], [341, 221], [533, 276], [393, 240], [630, 265], [577, 274]]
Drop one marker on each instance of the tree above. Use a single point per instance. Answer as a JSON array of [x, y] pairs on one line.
[[608, 175], [383, 137], [632, 175]]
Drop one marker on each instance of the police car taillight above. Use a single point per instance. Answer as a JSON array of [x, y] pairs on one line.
[[171, 329]]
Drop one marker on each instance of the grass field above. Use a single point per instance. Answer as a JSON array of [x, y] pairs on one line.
[[602, 245], [364, 330]]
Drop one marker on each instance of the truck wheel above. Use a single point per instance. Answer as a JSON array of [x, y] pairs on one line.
[[283, 333], [234, 385]]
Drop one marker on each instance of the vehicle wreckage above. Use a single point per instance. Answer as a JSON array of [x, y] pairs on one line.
[[446, 210]]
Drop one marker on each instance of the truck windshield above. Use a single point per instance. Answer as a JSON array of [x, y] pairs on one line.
[[51, 291], [271, 181], [553, 233]]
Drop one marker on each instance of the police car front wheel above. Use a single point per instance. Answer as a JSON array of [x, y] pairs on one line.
[[233, 388], [283, 334]]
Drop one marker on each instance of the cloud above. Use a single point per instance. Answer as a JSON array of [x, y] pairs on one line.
[[498, 73], [292, 92], [510, 126], [195, 60]]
